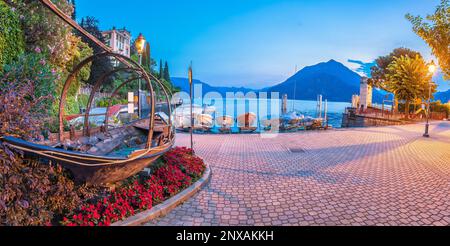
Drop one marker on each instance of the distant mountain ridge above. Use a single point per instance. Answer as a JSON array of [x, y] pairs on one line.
[[183, 84], [331, 79]]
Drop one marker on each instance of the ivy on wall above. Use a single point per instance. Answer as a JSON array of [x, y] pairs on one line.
[[12, 42]]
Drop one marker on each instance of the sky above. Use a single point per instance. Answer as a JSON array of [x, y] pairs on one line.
[[259, 43]]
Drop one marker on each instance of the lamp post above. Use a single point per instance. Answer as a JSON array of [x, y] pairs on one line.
[[432, 70], [191, 130], [140, 44]]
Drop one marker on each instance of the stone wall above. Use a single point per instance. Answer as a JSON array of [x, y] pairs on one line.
[[353, 120]]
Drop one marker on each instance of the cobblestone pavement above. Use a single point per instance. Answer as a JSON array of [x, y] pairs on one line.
[[368, 176]]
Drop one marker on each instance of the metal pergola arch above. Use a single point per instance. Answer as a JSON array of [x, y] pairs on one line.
[[133, 65]]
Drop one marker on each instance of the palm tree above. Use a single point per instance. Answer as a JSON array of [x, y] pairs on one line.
[[409, 79]]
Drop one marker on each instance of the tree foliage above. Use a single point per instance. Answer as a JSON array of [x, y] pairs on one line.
[[435, 31], [161, 69], [33, 68], [146, 57], [102, 65], [166, 72], [409, 79], [46, 33], [379, 73]]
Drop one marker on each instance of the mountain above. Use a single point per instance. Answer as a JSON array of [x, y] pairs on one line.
[[332, 79], [444, 97], [183, 84]]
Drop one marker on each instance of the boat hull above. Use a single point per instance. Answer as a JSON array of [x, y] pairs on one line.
[[246, 120], [90, 169], [225, 121]]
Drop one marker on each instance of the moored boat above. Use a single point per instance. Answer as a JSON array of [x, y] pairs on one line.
[[225, 123], [204, 122], [182, 118], [246, 122], [291, 118], [209, 110], [271, 125]]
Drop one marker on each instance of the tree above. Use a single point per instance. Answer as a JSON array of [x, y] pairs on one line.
[[44, 30], [380, 72], [166, 73], [161, 69], [74, 14], [435, 31], [102, 65], [46, 33], [146, 58], [409, 79]]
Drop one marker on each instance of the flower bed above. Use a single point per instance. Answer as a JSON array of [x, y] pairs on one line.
[[178, 170]]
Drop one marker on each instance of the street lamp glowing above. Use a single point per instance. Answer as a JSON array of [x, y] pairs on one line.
[[432, 68], [140, 44]]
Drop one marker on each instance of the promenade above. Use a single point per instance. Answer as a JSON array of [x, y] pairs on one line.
[[367, 176]]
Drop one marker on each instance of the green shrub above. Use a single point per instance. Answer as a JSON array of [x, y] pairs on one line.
[[105, 101], [441, 108], [35, 68]]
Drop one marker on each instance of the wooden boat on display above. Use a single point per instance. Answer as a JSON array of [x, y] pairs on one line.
[[246, 122], [100, 155], [103, 158], [225, 123]]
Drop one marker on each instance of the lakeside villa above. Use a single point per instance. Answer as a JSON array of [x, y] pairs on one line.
[[92, 134]]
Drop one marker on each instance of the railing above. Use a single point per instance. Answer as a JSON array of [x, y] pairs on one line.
[[388, 114]]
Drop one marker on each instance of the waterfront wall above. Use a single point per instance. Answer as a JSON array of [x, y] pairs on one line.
[[349, 120]]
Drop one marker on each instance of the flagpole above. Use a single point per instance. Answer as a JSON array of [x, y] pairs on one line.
[[191, 130]]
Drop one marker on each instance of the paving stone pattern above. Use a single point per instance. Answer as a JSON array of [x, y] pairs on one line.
[[367, 176]]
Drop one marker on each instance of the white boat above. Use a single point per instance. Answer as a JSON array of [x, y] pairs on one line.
[[247, 119], [291, 118], [225, 123], [209, 110], [204, 122], [272, 124], [182, 115], [246, 122]]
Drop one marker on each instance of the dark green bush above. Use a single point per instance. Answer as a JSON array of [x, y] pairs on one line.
[[105, 101]]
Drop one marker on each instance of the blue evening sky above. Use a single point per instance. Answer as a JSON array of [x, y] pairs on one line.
[[258, 43]]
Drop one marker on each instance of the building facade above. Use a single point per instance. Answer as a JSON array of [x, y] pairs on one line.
[[119, 40]]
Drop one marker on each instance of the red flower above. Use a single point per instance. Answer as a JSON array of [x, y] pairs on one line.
[[181, 169]]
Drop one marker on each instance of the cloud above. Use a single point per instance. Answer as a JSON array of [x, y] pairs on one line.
[[364, 68]]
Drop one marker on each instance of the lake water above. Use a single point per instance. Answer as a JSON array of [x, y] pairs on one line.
[[270, 109]]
